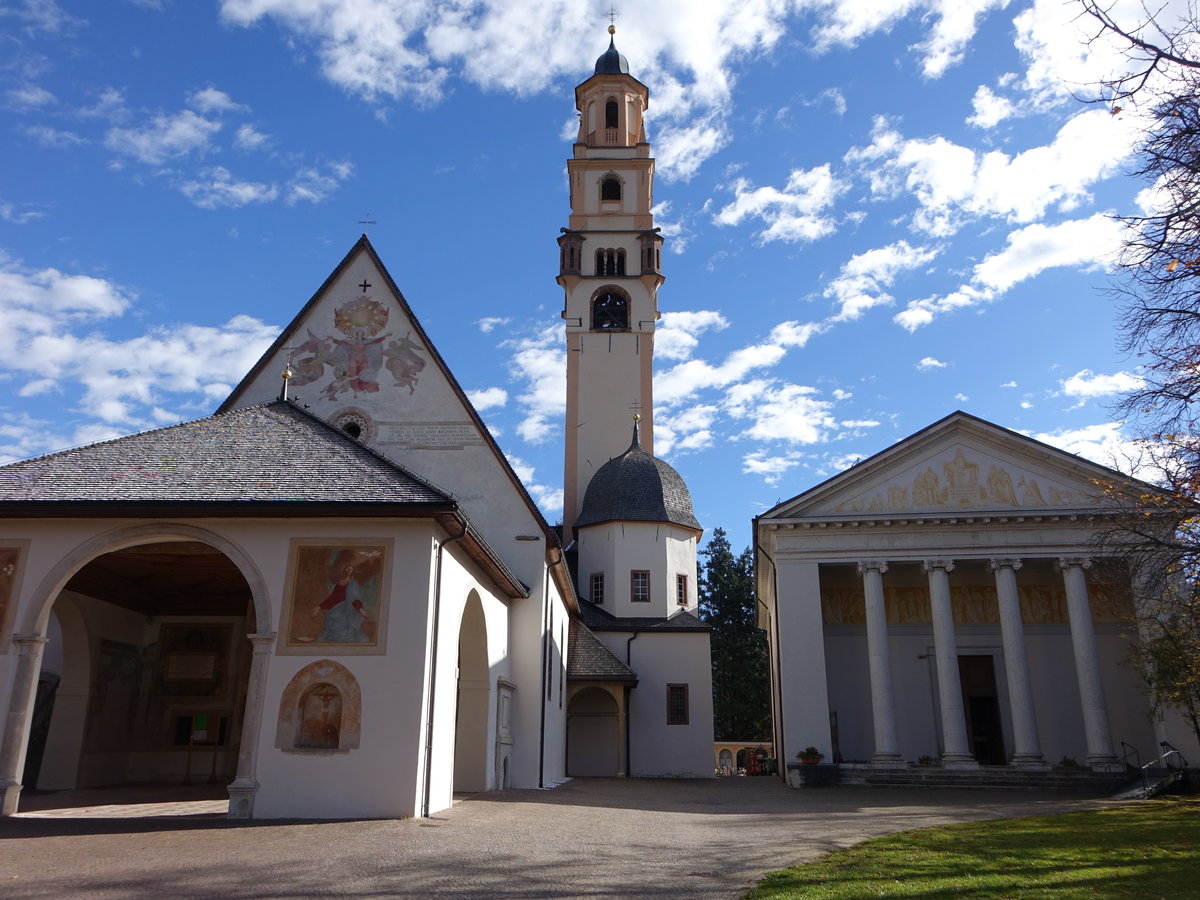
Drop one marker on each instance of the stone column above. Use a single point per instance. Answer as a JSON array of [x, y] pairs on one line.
[[1027, 752], [1100, 755], [883, 702], [244, 786], [16, 723], [956, 754]]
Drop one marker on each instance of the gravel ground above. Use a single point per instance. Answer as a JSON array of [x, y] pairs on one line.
[[586, 838]]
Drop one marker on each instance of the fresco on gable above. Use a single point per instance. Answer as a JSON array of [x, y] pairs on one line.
[[962, 483], [357, 352]]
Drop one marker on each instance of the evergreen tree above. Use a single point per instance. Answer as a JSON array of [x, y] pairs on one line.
[[740, 674]]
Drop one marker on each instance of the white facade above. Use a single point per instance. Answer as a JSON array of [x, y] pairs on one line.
[[942, 599]]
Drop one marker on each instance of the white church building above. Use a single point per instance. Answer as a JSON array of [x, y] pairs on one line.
[[945, 599], [335, 594]]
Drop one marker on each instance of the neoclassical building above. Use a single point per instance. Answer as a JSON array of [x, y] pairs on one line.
[[942, 598]]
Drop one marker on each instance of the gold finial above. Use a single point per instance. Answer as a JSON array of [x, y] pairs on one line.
[[287, 374], [612, 29], [636, 417]]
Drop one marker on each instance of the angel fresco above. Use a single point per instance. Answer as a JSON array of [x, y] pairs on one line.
[[336, 595], [403, 362]]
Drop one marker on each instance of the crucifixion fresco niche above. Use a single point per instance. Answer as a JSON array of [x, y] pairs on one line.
[[357, 352]]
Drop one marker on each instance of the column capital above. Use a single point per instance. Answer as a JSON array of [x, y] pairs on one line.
[[1071, 562], [27, 643], [262, 642], [1005, 563], [931, 565], [872, 565]]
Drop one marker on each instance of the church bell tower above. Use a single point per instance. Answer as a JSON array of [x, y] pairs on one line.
[[610, 267]]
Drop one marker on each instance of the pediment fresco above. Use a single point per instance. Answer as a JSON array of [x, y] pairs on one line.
[[967, 479]]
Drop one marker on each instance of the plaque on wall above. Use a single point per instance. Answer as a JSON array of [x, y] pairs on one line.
[[430, 435], [193, 660]]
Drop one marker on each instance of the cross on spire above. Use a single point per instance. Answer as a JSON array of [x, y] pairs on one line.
[[366, 222], [613, 15]]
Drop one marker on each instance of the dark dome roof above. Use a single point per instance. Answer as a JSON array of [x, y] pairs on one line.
[[637, 487], [610, 62]]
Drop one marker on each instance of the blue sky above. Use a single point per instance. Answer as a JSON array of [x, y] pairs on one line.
[[877, 213]]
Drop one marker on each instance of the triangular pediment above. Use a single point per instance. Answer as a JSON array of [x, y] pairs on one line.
[[960, 464]]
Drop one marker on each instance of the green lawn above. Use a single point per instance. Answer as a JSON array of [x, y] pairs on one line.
[[1142, 850]]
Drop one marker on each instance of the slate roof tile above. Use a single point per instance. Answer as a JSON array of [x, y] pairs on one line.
[[276, 452], [590, 660]]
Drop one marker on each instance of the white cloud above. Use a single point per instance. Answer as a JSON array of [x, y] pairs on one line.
[[683, 430], [164, 138], [9, 212], [218, 188], [313, 184], [248, 137], [1029, 251], [795, 213], [990, 108], [678, 333], [781, 412], [953, 183], [489, 323], [1088, 385], [1102, 443], [771, 468], [488, 398], [682, 381], [211, 100], [540, 361], [52, 137], [548, 498], [125, 383], [29, 96], [929, 363], [861, 282]]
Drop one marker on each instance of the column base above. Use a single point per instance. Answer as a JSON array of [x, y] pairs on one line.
[[959, 761], [1108, 764], [241, 798], [888, 761], [10, 796], [1031, 762]]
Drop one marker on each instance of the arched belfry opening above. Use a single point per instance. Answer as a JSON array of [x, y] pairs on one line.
[[472, 734], [149, 661], [610, 309]]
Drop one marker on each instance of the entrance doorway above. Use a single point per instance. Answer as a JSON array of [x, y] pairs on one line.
[[592, 734], [471, 732], [147, 648], [981, 705]]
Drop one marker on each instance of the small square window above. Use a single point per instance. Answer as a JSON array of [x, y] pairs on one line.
[[597, 588], [639, 586], [677, 704], [681, 590]]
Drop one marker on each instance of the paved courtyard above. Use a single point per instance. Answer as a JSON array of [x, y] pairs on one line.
[[587, 838]]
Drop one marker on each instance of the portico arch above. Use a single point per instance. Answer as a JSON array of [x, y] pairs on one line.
[[146, 679], [595, 731]]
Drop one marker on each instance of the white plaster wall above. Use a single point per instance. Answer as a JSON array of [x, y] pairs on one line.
[[656, 748], [619, 548]]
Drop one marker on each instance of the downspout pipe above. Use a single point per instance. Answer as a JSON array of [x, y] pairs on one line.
[[776, 698], [546, 637], [433, 664], [628, 743]]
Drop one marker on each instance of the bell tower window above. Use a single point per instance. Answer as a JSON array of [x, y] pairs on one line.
[[611, 114], [610, 311], [610, 262], [610, 188]]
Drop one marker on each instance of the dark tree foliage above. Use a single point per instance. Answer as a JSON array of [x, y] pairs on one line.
[[740, 675], [1157, 282]]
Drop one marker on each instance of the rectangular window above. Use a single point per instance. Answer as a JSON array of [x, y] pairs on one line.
[[598, 588], [677, 704], [639, 586], [681, 592]]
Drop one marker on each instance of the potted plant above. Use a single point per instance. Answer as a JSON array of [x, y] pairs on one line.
[[810, 756], [926, 760]]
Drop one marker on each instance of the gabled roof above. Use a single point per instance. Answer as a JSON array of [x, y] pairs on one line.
[[959, 466], [598, 619], [275, 453], [590, 660], [364, 246]]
